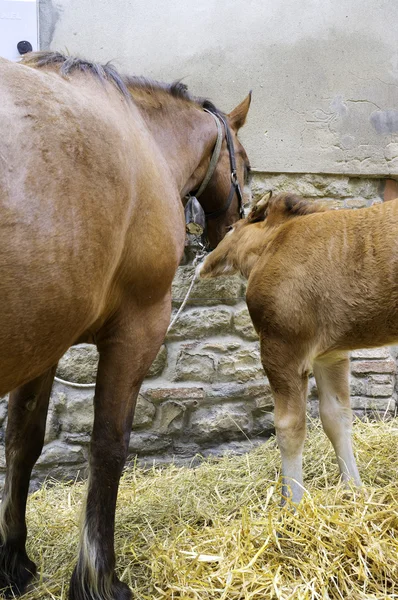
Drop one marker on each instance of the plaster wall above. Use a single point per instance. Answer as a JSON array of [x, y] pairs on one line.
[[324, 74]]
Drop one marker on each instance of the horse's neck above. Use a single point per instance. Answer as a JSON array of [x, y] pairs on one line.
[[185, 136]]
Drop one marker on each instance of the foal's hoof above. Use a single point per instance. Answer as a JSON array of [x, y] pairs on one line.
[[81, 590], [16, 571]]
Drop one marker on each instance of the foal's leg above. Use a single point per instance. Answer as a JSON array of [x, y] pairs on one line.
[[289, 384], [332, 379], [27, 413], [127, 348]]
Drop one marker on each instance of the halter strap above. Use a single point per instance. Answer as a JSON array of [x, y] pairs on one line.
[[235, 187], [214, 158]]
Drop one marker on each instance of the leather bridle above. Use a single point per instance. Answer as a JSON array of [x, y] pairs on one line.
[[235, 187]]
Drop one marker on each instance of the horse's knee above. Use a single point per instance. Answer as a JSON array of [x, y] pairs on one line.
[[290, 431]]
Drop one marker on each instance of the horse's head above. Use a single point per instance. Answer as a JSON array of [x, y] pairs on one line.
[[222, 196], [240, 245], [244, 243]]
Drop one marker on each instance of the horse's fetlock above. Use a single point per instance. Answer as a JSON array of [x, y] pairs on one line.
[[82, 587], [16, 570]]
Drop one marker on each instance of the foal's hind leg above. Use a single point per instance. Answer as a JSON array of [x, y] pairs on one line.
[[332, 378], [27, 413], [289, 383], [127, 348]]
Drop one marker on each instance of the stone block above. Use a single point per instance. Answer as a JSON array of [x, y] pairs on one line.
[[218, 362], [264, 402], [230, 448], [60, 453], [252, 392], [144, 413], [358, 386], [366, 387], [227, 290], [169, 418], [200, 322], [241, 366], [79, 364], [333, 203], [61, 472], [82, 439], [144, 443], [189, 395], [3, 409], [222, 346], [383, 378], [316, 186], [356, 203], [53, 426], [196, 365], [307, 185], [378, 390], [372, 404], [223, 421], [371, 353], [78, 413], [159, 363], [243, 325], [363, 367], [368, 188], [264, 423]]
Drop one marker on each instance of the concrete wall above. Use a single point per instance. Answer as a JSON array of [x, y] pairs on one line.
[[324, 74]]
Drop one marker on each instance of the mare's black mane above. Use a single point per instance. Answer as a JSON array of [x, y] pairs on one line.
[[108, 73]]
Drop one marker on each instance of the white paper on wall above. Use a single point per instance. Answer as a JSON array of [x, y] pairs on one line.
[[18, 23]]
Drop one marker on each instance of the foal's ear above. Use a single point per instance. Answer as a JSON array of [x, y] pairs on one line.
[[259, 210], [238, 116]]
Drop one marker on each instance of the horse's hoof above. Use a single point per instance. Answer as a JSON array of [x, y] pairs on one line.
[[82, 591], [16, 572]]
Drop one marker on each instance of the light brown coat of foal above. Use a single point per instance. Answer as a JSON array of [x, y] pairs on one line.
[[320, 283], [93, 167]]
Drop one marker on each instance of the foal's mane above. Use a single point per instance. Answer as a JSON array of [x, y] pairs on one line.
[[292, 205], [67, 65]]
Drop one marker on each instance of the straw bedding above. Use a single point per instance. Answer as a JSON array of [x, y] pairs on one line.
[[217, 532]]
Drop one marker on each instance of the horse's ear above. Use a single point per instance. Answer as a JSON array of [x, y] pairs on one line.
[[259, 210], [238, 116]]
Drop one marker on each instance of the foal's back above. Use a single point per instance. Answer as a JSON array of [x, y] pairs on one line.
[[332, 274]]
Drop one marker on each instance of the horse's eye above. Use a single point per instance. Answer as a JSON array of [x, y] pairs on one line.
[[230, 227]]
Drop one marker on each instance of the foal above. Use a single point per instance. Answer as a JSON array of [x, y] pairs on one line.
[[320, 283]]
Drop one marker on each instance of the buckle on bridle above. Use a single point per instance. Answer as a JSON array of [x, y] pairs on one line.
[[234, 178]]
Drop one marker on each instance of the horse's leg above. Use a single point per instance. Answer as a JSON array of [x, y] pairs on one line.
[[127, 348], [289, 383], [27, 413], [332, 379]]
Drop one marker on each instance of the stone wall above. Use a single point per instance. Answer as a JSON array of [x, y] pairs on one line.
[[206, 391]]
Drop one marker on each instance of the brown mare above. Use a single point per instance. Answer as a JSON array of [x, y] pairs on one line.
[[93, 168], [320, 283]]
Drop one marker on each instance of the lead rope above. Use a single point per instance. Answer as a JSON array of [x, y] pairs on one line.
[[197, 259], [196, 264]]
